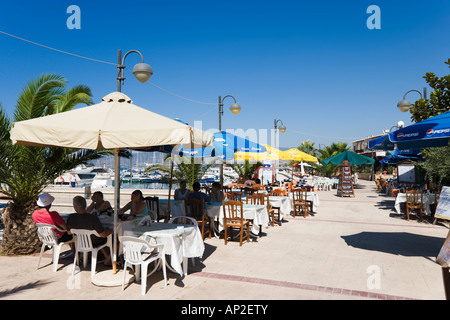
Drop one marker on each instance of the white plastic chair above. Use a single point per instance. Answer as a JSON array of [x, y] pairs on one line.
[[183, 220], [140, 252], [84, 244], [48, 238]]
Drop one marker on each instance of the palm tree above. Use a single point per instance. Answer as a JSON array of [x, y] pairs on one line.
[[26, 171], [308, 147], [247, 169], [327, 152], [189, 169]]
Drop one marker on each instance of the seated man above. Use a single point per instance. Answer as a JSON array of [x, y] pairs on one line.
[[83, 220], [43, 215], [196, 194]]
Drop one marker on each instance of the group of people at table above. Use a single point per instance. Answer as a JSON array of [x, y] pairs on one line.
[[87, 217]]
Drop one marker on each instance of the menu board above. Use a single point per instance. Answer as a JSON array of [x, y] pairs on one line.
[[345, 185], [443, 205]]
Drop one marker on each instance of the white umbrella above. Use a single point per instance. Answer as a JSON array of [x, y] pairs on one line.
[[115, 123]]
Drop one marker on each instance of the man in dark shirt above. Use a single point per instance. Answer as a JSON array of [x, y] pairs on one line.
[[83, 220], [196, 194]]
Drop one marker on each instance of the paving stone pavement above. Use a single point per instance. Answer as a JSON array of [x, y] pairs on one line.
[[352, 248]]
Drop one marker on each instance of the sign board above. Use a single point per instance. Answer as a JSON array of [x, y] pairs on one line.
[[443, 257], [443, 206], [345, 185], [406, 173]]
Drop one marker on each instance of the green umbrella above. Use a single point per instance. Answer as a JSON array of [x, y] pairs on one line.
[[353, 158]]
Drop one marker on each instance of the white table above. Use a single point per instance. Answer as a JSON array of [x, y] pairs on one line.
[[257, 213], [428, 199], [283, 203], [180, 247], [312, 196]]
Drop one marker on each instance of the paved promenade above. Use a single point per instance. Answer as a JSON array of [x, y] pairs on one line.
[[351, 249]]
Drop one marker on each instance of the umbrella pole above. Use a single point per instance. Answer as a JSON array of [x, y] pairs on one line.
[[116, 205], [170, 189]]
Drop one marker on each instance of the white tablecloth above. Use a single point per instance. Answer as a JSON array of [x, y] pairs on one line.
[[283, 203], [257, 213], [180, 247], [428, 199]]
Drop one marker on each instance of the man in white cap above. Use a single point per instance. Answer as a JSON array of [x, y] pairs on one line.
[[43, 215]]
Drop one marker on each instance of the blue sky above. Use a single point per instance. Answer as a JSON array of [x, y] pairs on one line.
[[314, 65]]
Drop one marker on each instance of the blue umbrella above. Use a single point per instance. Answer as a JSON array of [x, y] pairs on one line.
[[381, 143], [432, 132], [225, 145], [399, 155]]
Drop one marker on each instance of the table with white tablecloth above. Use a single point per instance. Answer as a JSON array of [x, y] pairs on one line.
[[428, 199], [180, 245], [283, 203], [257, 213], [176, 207]]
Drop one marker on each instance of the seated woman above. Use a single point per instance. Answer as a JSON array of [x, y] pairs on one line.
[[182, 192], [99, 205], [216, 193], [137, 205]]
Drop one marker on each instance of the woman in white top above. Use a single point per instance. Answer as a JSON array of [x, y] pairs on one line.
[[182, 192]]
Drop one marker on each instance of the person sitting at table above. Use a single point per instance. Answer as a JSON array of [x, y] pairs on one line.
[[249, 182], [43, 215], [99, 205], [137, 205], [84, 220], [216, 193], [197, 194], [182, 191]]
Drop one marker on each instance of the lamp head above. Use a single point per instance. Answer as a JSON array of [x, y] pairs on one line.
[[282, 128], [142, 72], [404, 105], [235, 108], [400, 124]]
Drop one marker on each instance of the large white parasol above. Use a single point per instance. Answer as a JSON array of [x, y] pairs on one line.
[[115, 123]]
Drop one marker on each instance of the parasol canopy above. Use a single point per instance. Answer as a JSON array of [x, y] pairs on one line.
[[351, 157]]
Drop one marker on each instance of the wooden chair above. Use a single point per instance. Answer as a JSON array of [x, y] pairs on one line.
[[233, 217], [271, 210], [153, 208], [196, 209], [278, 192], [308, 189], [414, 201], [236, 196], [300, 200]]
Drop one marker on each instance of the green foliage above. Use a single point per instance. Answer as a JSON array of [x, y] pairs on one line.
[[246, 169], [437, 164], [439, 101], [188, 169], [26, 171], [329, 151]]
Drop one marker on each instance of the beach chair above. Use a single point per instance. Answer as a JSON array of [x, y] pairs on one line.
[[48, 238], [139, 252]]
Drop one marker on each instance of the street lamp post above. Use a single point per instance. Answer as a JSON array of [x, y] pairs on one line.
[[404, 105], [281, 128], [141, 71], [235, 108]]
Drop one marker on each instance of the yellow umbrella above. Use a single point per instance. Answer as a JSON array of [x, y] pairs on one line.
[[297, 155]]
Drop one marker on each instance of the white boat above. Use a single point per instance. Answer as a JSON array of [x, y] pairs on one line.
[[86, 175]]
